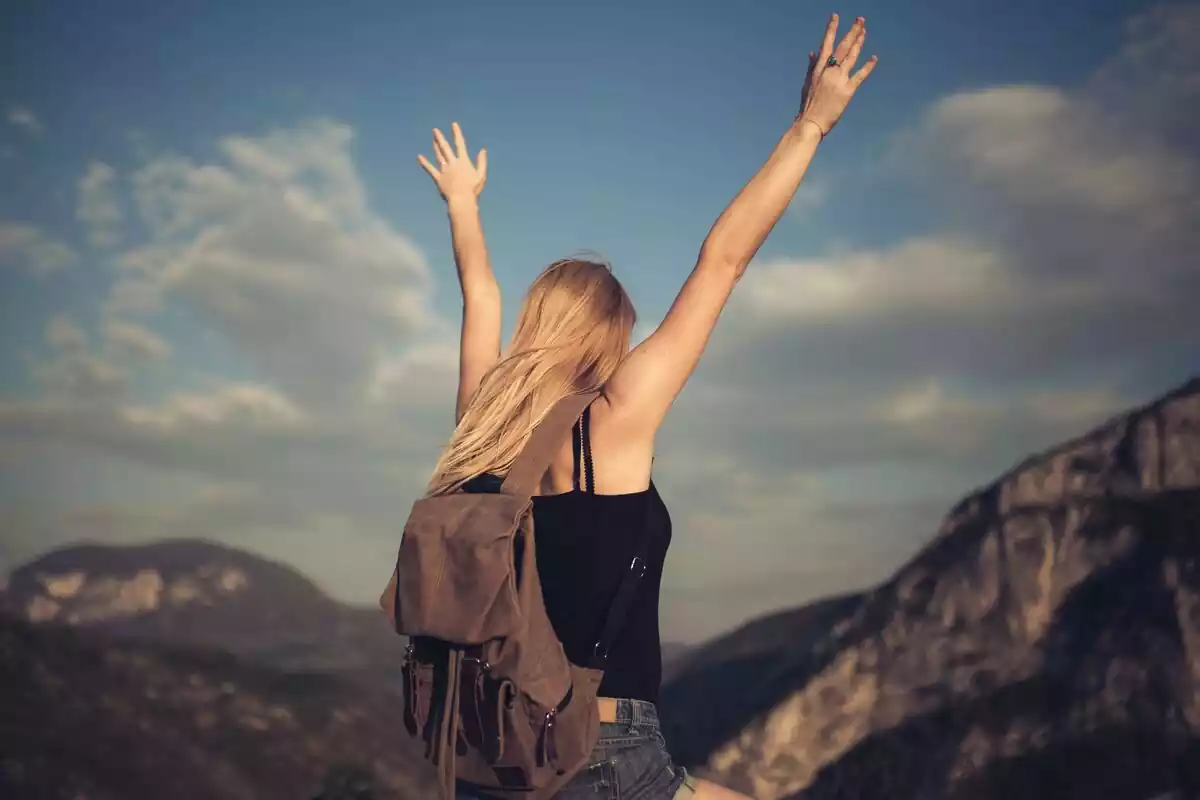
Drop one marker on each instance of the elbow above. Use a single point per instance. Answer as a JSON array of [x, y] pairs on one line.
[[722, 262], [481, 290]]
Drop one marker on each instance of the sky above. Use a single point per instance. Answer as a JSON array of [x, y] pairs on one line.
[[229, 300]]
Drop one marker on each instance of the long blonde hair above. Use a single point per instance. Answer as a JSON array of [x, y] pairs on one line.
[[575, 327]]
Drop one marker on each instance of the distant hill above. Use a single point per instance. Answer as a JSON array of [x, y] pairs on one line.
[[200, 594], [1045, 644], [674, 654], [89, 717]]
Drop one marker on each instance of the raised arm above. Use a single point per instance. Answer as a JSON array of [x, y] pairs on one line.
[[460, 183], [645, 385]]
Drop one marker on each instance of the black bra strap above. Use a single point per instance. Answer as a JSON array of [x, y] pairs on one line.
[[582, 476], [576, 449], [588, 471]]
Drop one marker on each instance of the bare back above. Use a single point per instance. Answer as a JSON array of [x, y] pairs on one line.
[[626, 458]]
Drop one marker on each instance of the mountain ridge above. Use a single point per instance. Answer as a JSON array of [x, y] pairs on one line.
[[202, 594], [1009, 592]]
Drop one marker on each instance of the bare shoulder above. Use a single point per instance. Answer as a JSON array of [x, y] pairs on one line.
[[622, 449]]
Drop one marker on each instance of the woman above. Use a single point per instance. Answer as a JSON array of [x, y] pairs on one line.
[[572, 336]]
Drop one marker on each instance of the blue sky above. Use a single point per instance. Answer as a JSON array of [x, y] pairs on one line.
[[990, 253]]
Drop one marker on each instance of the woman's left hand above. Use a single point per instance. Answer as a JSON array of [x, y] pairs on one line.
[[455, 175]]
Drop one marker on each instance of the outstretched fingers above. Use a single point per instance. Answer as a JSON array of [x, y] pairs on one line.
[[856, 46], [857, 78], [481, 167], [460, 142], [846, 46], [827, 43], [441, 148], [808, 76], [430, 168]]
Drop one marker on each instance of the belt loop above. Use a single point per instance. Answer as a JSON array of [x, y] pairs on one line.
[[625, 714], [637, 715]]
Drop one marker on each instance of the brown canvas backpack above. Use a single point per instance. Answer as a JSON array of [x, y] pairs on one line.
[[487, 686]]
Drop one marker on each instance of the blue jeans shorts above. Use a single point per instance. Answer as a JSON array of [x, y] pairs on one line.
[[630, 762]]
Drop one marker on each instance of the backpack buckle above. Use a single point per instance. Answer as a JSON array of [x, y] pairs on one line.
[[482, 663]]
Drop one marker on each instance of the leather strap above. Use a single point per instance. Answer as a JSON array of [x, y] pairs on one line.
[[533, 461], [622, 601]]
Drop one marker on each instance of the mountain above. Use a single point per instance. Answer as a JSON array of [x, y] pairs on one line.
[[199, 594], [86, 716], [1045, 644], [674, 654]]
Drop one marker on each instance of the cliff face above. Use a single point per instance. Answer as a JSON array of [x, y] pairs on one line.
[[1046, 642]]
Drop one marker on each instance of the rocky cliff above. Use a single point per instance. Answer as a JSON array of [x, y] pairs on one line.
[[1045, 644]]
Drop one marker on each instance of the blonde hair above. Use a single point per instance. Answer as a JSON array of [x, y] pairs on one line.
[[574, 328]]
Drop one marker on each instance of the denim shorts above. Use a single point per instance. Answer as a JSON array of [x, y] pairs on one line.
[[630, 762]]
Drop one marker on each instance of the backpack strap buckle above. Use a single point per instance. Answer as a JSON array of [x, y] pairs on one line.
[[481, 663], [617, 611]]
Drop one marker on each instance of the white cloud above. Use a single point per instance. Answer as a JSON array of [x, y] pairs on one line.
[[921, 276], [279, 252], [77, 371], [63, 334], [27, 248], [274, 251], [242, 405], [1043, 148], [82, 377], [128, 340], [24, 119], [426, 372], [98, 207], [809, 196]]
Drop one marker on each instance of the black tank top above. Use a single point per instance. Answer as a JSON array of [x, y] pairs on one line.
[[585, 543]]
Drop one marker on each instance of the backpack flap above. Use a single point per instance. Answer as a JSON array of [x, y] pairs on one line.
[[456, 570]]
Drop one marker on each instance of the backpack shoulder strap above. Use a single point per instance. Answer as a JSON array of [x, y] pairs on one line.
[[533, 461], [622, 602]]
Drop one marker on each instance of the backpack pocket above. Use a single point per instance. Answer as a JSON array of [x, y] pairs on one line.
[[417, 680], [561, 737], [487, 704]]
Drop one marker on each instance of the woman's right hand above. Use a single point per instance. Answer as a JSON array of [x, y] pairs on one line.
[[830, 85], [455, 175]]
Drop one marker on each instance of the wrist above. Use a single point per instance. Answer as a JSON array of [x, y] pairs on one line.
[[462, 202], [807, 129]]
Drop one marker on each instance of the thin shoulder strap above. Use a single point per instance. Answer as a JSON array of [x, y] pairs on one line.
[[585, 431], [577, 455], [583, 474], [532, 462]]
